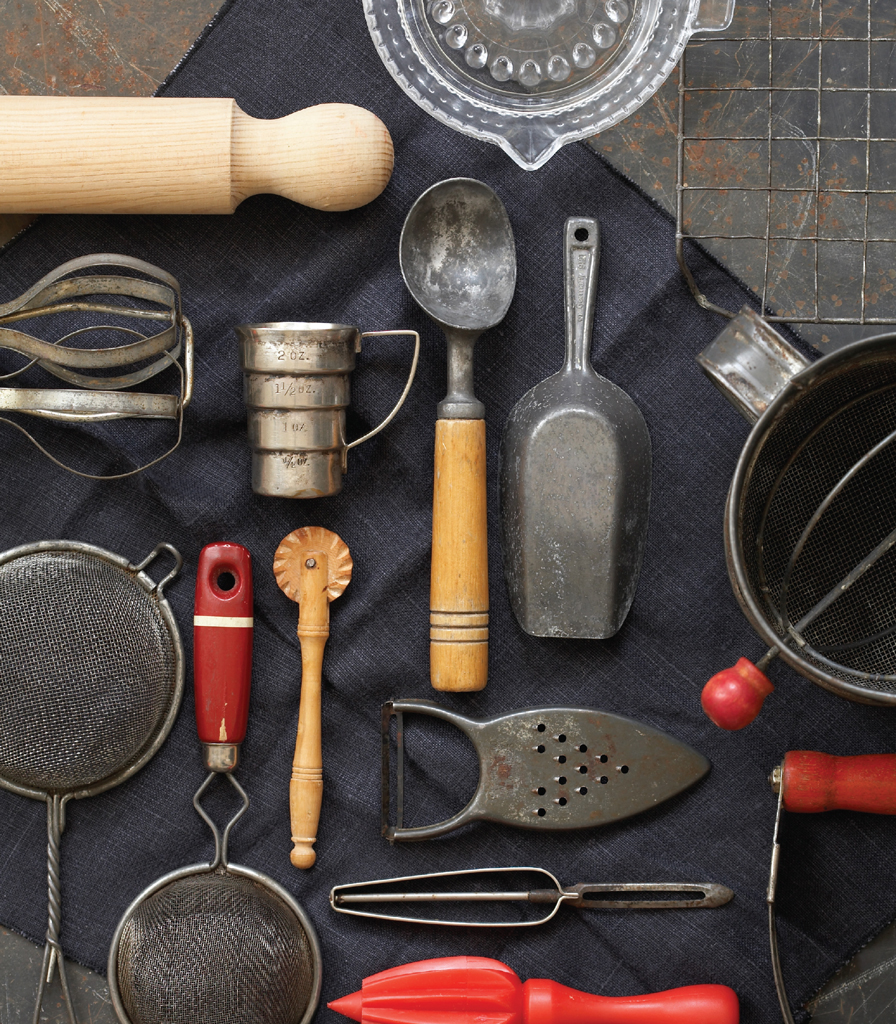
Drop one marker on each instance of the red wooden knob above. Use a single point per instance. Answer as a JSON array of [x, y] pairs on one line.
[[222, 643], [734, 696], [815, 782]]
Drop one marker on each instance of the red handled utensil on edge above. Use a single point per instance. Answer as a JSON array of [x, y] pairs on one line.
[[808, 782], [465, 989]]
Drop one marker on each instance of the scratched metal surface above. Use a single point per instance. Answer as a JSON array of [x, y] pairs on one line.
[[785, 145], [92, 48], [862, 993]]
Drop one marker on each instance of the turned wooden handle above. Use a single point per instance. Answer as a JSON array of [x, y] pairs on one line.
[[306, 786], [64, 154], [815, 782], [458, 595]]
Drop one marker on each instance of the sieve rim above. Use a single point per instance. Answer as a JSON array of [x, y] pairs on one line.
[[154, 590], [199, 869], [843, 360]]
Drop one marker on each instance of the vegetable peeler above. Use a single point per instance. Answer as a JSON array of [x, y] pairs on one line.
[[486, 886], [550, 768]]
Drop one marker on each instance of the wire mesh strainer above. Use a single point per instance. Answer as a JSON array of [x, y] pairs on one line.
[[217, 943], [810, 529], [91, 677]]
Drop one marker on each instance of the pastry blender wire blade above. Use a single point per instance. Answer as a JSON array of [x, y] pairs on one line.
[[348, 898]]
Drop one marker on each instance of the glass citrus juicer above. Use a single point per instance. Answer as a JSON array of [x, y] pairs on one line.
[[532, 75]]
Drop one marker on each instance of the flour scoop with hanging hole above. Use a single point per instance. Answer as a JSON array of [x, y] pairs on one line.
[[575, 480], [550, 768]]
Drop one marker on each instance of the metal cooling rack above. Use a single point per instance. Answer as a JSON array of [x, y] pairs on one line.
[[787, 157]]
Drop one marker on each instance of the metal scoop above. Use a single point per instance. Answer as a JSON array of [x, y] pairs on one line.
[[458, 261], [514, 891], [575, 480]]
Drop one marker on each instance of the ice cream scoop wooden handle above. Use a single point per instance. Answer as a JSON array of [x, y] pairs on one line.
[[458, 593], [815, 782], [64, 154], [312, 566]]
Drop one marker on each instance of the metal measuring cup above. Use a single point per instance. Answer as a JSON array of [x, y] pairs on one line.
[[296, 389]]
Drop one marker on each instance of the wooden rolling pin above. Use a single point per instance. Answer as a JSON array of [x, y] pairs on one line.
[[63, 154]]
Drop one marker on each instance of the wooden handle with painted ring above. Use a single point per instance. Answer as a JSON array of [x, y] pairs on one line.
[[99, 154], [458, 593]]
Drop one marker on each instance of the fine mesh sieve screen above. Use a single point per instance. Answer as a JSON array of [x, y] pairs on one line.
[[812, 444], [88, 669], [215, 948]]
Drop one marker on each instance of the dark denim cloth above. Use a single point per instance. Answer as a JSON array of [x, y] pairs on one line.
[[274, 260]]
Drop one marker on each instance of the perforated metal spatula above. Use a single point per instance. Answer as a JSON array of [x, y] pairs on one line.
[[575, 480], [551, 768]]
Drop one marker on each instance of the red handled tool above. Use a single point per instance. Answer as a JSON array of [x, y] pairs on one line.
[[808, 782], [222, 651], [466, 989]]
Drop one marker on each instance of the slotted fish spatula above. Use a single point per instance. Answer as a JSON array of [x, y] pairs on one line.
[[575, 480]]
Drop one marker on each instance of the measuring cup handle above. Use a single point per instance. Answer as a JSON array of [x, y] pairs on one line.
[[404, 394]]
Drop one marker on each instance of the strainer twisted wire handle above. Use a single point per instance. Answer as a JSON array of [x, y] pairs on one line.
[[52, 949]]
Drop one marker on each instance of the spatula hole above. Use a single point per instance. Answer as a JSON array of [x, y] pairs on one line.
[[561, 738], [541, 727], [541, 791], [604, 780], [562, 780], [624, 769], [583, 769], [541, 812], [604, 759], [561, 759], [582, 790], [582, 748], [562, 801], [540, 748], [581, 234]]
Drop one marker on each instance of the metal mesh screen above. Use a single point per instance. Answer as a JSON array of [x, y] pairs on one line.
[[786, 140], [822, 434], [87, 670], [215, 948]]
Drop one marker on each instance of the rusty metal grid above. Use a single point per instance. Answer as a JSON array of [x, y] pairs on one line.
[[787, 152]]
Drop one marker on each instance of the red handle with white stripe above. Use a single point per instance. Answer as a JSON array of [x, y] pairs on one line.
[[222, 643]]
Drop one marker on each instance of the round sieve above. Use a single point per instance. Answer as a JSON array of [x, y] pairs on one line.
[[91, 678], [217, 943], [810, 527]]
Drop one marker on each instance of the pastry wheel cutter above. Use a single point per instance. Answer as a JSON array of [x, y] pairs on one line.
[[549, 768], [508, 889]]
